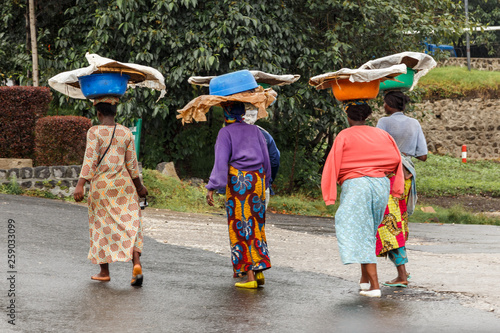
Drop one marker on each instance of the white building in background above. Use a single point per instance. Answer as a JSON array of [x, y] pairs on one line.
[[8, 83]]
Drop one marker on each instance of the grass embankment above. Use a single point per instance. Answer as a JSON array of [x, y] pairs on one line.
[[439, 176], [458, 82], [448, 176], [170, 193]]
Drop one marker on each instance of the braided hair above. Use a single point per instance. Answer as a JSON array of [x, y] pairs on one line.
[[106, 109], [396, 100], [359, 112]]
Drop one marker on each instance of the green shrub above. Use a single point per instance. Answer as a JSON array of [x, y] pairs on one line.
[[20, 107], [60, 140], [12, 187], [305, 174], [195, 145]]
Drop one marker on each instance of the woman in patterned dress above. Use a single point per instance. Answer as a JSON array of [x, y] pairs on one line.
[[360, 160], [242, 166], [115, 222], [393, 231]]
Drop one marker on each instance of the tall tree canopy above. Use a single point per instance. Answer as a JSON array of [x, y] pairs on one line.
[[486, 12], [181, 38]]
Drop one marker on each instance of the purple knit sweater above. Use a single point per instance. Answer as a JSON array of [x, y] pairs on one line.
[[242, 146]]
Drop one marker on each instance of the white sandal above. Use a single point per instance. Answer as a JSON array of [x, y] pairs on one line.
[[371, 293], [364, 286]]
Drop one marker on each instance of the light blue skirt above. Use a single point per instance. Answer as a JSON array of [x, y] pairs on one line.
[[362, 205]]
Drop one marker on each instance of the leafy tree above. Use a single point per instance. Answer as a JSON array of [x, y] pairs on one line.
[[13, 55], [181, 38], [15, 48], [485, 12]]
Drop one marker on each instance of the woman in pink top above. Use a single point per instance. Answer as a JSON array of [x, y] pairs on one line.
[[360, 160]]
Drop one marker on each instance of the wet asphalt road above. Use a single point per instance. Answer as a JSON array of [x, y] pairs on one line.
[[443, 237], [189, 290]]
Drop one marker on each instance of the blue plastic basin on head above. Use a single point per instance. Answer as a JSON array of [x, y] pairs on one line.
[[232, 83], [105, 84]]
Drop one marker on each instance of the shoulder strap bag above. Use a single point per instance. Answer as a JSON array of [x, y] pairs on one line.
[[110, 142]]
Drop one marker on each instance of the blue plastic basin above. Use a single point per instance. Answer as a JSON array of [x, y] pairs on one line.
[[232, 83], [106, 84]]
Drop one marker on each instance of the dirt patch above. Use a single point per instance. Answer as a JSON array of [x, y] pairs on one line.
[[476, 204]]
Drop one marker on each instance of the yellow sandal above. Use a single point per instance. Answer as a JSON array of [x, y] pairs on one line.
[[247, 285], [261, 280]]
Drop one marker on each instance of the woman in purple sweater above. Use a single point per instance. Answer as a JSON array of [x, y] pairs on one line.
[[243, 168]]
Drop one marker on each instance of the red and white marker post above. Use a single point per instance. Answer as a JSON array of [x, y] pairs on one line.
[[464, 154]]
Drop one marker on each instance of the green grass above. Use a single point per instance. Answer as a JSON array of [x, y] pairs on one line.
[[439, 176], [299, 204], [448, 176], [455, 214], [170, 193], [14, 188], [458, 82]]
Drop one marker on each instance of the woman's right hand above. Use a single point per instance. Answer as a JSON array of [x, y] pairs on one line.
[[79, 193], [210, 197]]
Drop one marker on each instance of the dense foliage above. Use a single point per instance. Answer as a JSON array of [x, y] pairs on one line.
[[190, 37], [60, 140], [487, 12], [20, 107]]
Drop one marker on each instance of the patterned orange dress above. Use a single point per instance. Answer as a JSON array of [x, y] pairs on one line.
[[115, 221]]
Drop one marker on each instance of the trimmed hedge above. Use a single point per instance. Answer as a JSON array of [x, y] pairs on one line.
[[60, 140], [20, 107]]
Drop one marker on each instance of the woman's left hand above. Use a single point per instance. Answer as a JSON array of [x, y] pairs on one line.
[[210, 197], [142, 192], [407, 173]]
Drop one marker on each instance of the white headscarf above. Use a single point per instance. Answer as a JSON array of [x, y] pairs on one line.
[[250, 116]]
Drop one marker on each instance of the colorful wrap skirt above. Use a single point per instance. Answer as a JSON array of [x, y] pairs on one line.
[[393, 231], [246, 217], [362, 203]]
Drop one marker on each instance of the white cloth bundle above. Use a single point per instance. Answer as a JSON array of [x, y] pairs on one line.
[[260, 77], [420, 62], [357, 75], [68, 84]]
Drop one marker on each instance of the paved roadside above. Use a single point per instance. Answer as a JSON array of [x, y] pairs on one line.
[[446, 258], [189, 286]]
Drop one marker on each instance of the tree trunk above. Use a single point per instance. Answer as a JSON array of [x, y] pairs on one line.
[[28, 36], [34, 50]]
